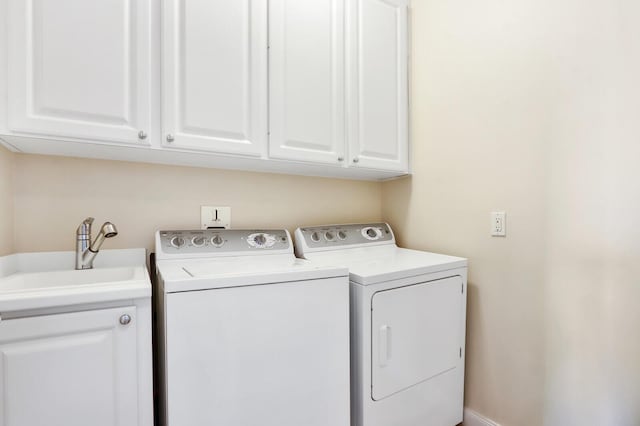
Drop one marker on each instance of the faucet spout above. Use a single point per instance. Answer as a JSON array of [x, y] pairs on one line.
[[86, 251], [108, 230]]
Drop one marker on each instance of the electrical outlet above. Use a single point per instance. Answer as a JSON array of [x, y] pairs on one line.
[[498, 224], [215, 217]]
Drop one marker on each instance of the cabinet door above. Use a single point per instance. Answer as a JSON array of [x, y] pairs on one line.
[[74, 369], [378, 84], [306, 80], [79, 69], [215, 75]]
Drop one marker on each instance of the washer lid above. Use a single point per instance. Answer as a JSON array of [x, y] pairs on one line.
[[372, 265], [204, 274]]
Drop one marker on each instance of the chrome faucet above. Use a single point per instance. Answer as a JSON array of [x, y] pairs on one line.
[[86, 251]]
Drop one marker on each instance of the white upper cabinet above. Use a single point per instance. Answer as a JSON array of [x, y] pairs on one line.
[[378, 84], [79, 69], [316, 87], [306, 80], [215, 75]]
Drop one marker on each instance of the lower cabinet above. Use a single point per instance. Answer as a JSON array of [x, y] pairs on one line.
[[71, 369]]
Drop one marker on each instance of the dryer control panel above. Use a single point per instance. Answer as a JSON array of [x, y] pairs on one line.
[[340, 236], [225, 242]]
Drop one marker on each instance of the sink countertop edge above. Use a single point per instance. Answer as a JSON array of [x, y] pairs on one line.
[[138, 287]]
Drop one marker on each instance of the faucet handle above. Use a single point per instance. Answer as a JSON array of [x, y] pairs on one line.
[[85, 227]]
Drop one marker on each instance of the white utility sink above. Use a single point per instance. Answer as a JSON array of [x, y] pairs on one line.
[[66, 279], [41, 280]]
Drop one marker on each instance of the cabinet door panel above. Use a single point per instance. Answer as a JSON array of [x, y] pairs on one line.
[[306, 60], [214, 78], [378, 84], [83, 74], [73, 369]]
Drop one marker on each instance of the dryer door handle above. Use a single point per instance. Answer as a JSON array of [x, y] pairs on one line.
[[384, 345]]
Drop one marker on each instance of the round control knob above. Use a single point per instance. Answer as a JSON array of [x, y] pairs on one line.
[[260, 239], [329, 236], [371, 233], [315, 237], [177, 242], [217, 240], [342, 235], [198, 241]]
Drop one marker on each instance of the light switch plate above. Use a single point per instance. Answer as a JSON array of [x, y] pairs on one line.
[[215, 217], [498, 224]]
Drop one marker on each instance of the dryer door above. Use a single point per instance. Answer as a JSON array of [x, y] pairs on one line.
[[416, 334]]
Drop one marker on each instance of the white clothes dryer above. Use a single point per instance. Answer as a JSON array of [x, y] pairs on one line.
[[408, 311], [248, 334]]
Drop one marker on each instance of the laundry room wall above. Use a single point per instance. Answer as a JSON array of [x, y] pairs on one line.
[[6, 201], [54, 194], [532, 107]]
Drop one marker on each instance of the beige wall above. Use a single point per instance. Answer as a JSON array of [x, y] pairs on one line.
[[54, 194], [6, 201], [533, 107]]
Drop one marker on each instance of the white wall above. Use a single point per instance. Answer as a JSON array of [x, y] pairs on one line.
[[6, 201], [593, 195], [533, 107], [54, 194]]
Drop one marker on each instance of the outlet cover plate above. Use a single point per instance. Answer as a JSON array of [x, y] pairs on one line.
[[498, 224], [215, 217]]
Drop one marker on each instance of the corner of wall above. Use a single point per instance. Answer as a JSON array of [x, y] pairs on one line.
[[7, 197]]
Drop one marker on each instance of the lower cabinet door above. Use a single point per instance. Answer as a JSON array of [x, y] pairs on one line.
[[74, 369]]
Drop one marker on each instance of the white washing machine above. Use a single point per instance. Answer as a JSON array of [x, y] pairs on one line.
[[408, 311], [248, 334]]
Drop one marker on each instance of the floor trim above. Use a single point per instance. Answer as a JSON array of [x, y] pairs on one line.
[[472, 418]]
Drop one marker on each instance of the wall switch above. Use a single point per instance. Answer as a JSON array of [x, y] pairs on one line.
[[498, 224], [215, 217]]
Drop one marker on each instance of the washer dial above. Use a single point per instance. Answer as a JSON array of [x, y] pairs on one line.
[[261, 240], [177, 242], [315, 237], [198, 241], [217, 240]]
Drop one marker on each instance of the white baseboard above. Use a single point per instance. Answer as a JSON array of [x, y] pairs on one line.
[[472, 418]]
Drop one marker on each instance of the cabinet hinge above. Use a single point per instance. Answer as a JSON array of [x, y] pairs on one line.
[[462, 289], [460, 352]]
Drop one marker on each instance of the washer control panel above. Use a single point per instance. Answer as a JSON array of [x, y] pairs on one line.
[[217, 241], [345, 235]]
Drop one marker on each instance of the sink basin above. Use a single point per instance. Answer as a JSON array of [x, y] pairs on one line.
[[44, 280], [61, 279]]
